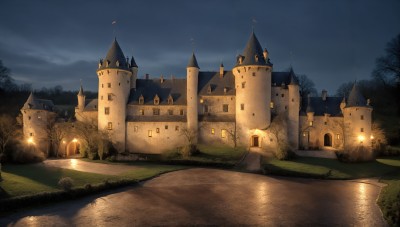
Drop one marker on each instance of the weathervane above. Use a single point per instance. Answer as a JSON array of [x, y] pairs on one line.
[[113, 23]]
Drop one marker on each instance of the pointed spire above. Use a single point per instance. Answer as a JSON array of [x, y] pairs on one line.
[[293, 78], [253, 53], [355, 97], [193, 62], [115, 57], [222, 64], [133, 63], [81, 93]]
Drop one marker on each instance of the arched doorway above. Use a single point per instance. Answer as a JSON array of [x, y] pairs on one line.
[[255, 141], [327, 140], [72, 148]]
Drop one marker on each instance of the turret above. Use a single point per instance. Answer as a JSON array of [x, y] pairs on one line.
[[81, 99], [294, 109], [115, 81], [192, 74], [357, 119], [221, 70], [134, 69], [253, 90]]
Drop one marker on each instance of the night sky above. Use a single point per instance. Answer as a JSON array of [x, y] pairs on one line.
[[53, 42]]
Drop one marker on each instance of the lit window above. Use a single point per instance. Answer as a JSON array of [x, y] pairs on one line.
[[242, 106], [176, 128], [106, 110], [271, 105], [135, 128], [243, 84], [166, 126], [109, 85], [141, 111], [170, 112], [157, 130], [310, 123], [223, 133], [149, 133], [109, 97], [109, 126], [338, 136], [156, 111], [362, 117], [212, 131], [181, 112], [362, 130], [225, 108]]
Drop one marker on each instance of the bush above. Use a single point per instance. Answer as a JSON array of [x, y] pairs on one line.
[[284, 153], [356, 154], [189, 150], [66, 183]]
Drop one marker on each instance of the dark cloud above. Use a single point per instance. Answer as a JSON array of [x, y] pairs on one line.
[[59, 42]]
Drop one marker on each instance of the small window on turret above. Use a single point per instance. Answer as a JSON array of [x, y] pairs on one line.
[[109, 97], [102, 85], [109, 126], [362, 117], [29, 117], [109, 85], [243, 84], [254, 74], [141, 100], [107, 110], [362, 129]]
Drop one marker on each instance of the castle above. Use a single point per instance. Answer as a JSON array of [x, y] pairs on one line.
[[238, 106]]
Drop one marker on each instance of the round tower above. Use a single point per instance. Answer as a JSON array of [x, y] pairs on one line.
[[81, 99], [253, 89], [134, 70], [357, 120], [294, 109], [192, 78], [115, 76]]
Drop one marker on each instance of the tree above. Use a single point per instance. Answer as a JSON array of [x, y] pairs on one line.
[[278, 128], [8, 130], [387, 69], [190, 135], [6, 82], [56, 133], [233, 135], [306, 85], [344, 89]]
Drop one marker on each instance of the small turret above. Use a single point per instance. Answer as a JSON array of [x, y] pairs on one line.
[[192, 78], [221, 70], [81, 99], [343, 104]]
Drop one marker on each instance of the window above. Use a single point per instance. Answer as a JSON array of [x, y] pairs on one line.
[[101, 97], [223, 133], [29, 117], [212, 131], [310, 123], [276, 94], [109, 126], [271, 105], [338, 136], [31, 134], [243, 84], [170, 112], [166, 126], [106, 110], [242, 106], [181, 112], [135, 128], [102, 85], [109, 85], [109, 97], [149, 133], [285, 107], [292, 100], [141, 112], [176, 128], [283, 95], [362, 117], [141, 100], [254, 74], [205, 108], [225, 108], [157, 130], [170, 100], [156, 100], [325, 123], [156, 111], [362, 130]]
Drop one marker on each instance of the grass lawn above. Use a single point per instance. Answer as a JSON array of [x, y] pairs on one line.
[[33, 178], [330, 168], [219, 153]]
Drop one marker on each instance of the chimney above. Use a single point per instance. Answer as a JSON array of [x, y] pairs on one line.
[[147, 76], [324, 94], [221, 70]]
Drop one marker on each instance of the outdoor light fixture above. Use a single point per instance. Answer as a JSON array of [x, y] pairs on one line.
[[30, 140], [372, 137], [63, 142], [361, 138], [74, 140], [201, 100]]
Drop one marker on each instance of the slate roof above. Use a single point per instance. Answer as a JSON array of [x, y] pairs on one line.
[[277, 78], [217, 83], [150, 87], [356, 98], [38, 104], [114, 54], [81, 93], [331, 106], [193, 62], [253, 48], [91, 105]]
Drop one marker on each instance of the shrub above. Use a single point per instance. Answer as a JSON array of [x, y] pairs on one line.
[[284, 153], [356, 154], [66, 183], [189, 150]]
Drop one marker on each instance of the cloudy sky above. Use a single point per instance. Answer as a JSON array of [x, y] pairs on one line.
[[56, 42]]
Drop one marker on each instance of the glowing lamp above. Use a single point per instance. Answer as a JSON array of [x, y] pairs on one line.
[[63, 142], [361, 138], [30, 140], [372, 137], [74, 140], [201, 100]]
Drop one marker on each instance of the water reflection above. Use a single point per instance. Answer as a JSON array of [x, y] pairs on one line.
[[73, 163]]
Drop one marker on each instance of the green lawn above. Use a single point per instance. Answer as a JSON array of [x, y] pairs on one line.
[[31, 179], [218, 154], [330, 168]]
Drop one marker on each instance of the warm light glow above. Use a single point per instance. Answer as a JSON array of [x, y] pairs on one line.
[[74, 140], [63, 142], [372, 137], [201, 100], [73, 163], [30, 140], [361, 138]]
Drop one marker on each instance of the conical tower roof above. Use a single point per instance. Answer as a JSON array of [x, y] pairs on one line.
[[31, 102], [193, 62], [356, 98], [293, 78], [133, 63], [253, 52], [115, 57], [81, 93]]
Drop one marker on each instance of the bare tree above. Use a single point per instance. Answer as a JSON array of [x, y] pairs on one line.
[[387, 68], [233, 135], [56, 133], [6, 82], [306, 85], [278, 128], [8, 129]]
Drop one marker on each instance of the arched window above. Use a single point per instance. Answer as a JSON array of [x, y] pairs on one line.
[[170, 100], [156, 100]]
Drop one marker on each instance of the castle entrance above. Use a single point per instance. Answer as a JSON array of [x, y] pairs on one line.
[[327, 140], [255, 141], [72, 148]]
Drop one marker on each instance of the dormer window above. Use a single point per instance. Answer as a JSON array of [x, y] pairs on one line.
[[156, 100], [256, 57], [117, 63], [170, 100], [141, 100], [209, 89], [225, 90], [107, 63]]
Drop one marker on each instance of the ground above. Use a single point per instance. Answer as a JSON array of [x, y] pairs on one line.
[[217, 197]]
